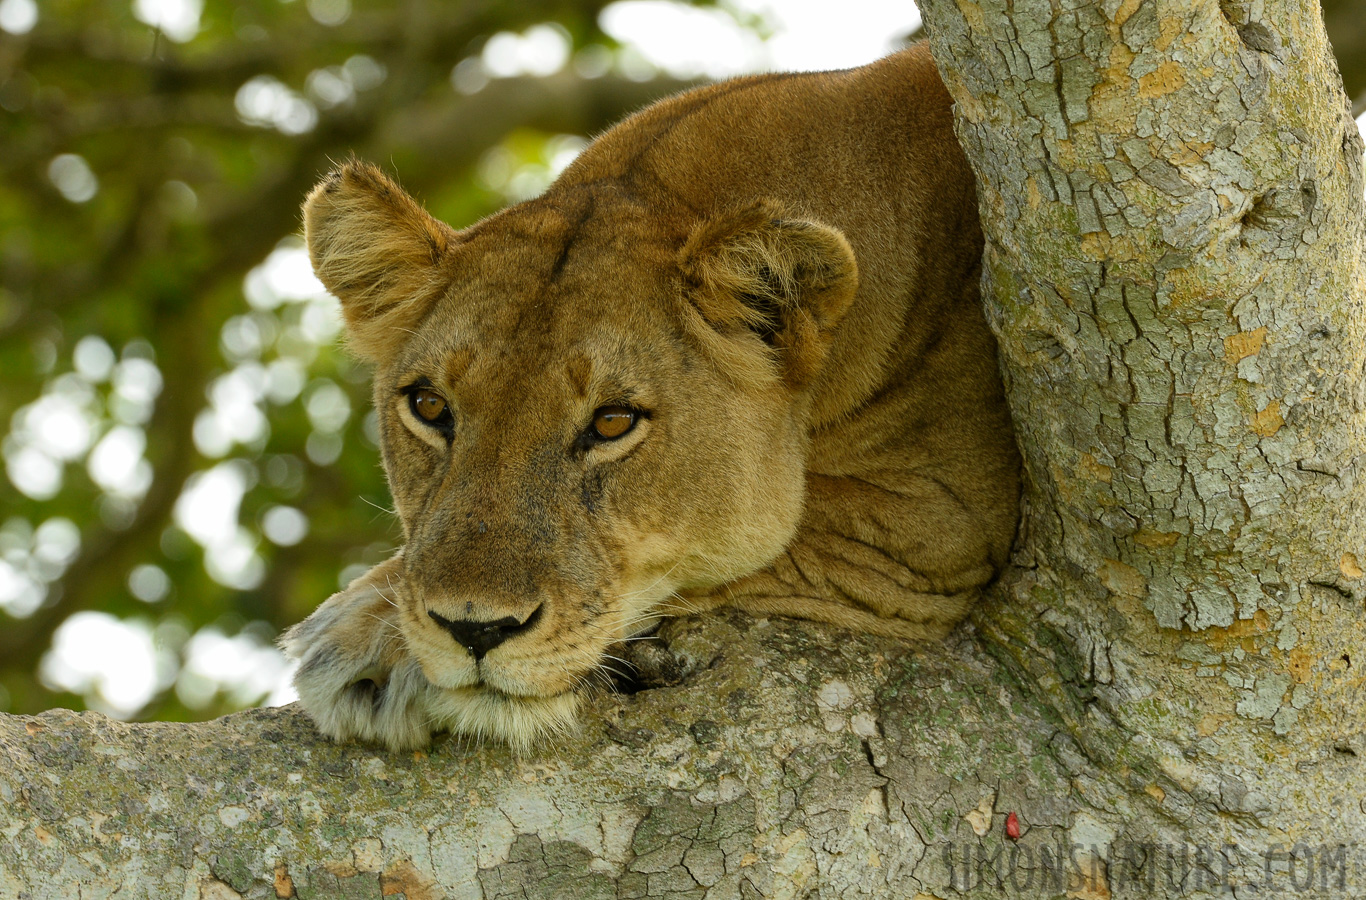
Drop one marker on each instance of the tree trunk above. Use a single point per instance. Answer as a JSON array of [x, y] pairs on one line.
[[1172, 199], [1163, 699]]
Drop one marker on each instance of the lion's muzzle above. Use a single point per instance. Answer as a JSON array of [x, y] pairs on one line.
[[481, 637]]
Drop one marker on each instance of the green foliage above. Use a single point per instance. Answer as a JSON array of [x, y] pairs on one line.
[[145, 182]]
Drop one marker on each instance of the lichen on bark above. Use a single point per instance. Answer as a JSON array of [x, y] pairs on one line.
[[1172, 199], [793, 761]]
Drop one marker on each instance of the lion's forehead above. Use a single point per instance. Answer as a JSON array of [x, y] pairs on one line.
[[585, 353], [582, 335], [589, 242]]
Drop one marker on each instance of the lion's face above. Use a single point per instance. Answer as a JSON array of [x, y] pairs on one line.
[[561, 456], [582, 412]]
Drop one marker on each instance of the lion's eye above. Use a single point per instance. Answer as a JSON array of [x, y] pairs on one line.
[[611, 422], [429, 406]]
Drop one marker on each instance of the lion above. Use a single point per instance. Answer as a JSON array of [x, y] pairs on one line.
[[733, 355]]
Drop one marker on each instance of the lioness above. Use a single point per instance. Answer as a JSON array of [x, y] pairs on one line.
[[733, 355]]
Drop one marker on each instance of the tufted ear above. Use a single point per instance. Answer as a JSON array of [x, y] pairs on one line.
[[787, 279], [378, 251]]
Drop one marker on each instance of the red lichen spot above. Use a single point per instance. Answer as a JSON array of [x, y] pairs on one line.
[[284, 884]]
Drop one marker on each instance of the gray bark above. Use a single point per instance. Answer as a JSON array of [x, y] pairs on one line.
[[792, 761], [1166, 691], [1172, 198]]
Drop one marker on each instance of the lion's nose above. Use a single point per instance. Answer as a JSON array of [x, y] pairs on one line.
[[481, 637]]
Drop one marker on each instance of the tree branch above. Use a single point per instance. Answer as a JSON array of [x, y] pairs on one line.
[[793, 760]]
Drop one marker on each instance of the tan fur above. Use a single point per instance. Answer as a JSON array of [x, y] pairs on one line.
[[781, 272]]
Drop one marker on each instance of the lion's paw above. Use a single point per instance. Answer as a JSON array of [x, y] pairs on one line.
[[358, 681], [356, 678]]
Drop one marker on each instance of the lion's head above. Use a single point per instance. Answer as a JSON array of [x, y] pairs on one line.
[[584, 410]]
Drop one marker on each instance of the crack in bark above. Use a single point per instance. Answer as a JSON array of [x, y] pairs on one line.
[[1333, 587]]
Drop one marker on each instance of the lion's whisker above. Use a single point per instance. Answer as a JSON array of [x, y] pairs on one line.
[[384, 509]]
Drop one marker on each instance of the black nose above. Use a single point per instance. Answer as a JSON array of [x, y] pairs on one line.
[[481, 637]]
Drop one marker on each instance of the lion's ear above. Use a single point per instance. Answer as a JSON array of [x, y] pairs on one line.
[[378, 251], [790, 280]]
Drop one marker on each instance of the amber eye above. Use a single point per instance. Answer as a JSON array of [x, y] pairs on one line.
[[428, 405], [611, 422]]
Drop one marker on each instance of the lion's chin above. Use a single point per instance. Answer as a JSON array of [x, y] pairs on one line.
[[484, 714], [493, 704]]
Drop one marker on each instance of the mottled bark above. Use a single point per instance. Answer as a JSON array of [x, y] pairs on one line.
[[1172, 198], [792, 761]]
